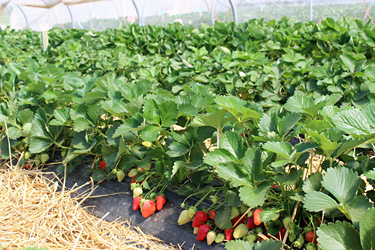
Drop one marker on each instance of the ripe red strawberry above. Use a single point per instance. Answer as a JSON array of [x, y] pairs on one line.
[[311, 238], [211, 214], [137, 203], [250, 223], [203, 231], [148, 208], [200, 218], [27, 166], [228, 234], [102, 165], [132, 180], [256, 215], [160, 201], [280, 235]]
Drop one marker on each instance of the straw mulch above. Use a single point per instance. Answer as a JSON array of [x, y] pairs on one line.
[[34, 213]]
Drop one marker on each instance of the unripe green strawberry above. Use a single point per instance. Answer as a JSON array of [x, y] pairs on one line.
[[310, 246], [195, 231], [219, 238], [240, 231], [27, 155], [234, 212], [44, 158], [214, 199], [184, 217], [63, 153], [192, 211], [292, 236], [133, 185], [299, 242], [114, 171], [120, 175], [137, 192], [37, 162], [251, 238], [132, 172], [211, 236], [286, 222], [147, 144]]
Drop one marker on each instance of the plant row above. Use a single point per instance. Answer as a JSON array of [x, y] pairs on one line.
[[277, 130]]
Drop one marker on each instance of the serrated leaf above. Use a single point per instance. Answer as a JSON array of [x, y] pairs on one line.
[[14, 133], [25, 116], [232, 142], [39, 145], [300, 104], [305, 147], [163, 114], [79, 141], [219, 156], [177, 149], [286, 123], [367, 229], [92, 96], [318, 201], [237, 107], [222, 219], [313, 183], [338, 236], [231, 172], [151, 133], [352, 121], [288, 178], [269, 214], [268, 245], [254, 196], [61, 115], [357, 208], [81, 124], [252, 164], [216, 120], [238, 245], [369, 112], [114, 107], [281, 148], [133, 123], [342, 183], [349, 61], [176, 166], [327, 145], [370, 174], [38, 129], [328, 112]]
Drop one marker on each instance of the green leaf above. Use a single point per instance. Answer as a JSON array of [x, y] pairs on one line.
[[131, 124], [349, 61], [39, 145], [232, 172], [300, 104], [219, 156], [61, 115], [151, 133], [238, 245], [81, 124], [358, 207], [353, 122], [370, 174], [14, 133], [237, 107], [177, 149], [369, 112], [38, 129], [338, 236], [176, 166], [327, 145], [286, 123], [288, 178], [92, 96], [254, 196], [222, 218], [79, 141], [215, 120], [25, 116], [269, 214], [268, 245], [318, 201], [232, 142], [328, 112], [313, 183], [163, 114], [282, 148], [342, 183], [367, 229], [252, 164]]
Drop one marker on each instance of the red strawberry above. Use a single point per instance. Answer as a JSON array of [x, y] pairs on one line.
[[211, 214], [160, 201], [132, 180], [200, 218], [311, 237], [256, 215], [27, 166], [148, 208], [137, 203], [102, 165], [250, 223], [229, 234], [203, 231], [280, 235], [238, 220]]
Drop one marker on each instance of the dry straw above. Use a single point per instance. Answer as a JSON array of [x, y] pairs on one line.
[[34, 213]]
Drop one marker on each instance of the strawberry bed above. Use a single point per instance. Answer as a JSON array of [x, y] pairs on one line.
[[229, 116]]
